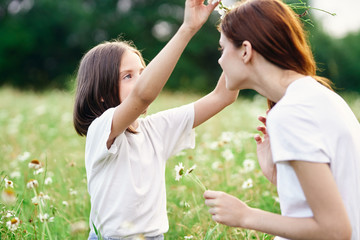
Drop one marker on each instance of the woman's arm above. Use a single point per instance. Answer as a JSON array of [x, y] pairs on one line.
[[156, 74], [214, 102], [330, 220]]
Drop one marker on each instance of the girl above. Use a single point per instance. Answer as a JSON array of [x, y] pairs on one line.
[[311, 146], [125, 156]]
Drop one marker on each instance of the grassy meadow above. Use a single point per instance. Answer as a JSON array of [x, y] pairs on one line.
[[43, 179]]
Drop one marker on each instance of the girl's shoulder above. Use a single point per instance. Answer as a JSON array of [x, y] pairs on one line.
[[101, 123]]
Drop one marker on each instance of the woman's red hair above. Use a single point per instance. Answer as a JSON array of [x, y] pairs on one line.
[[275, 31]]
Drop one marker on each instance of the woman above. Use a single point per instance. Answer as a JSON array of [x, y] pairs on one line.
[[311, 145]]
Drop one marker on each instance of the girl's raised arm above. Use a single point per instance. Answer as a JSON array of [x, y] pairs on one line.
[[214, 102], [156, 74]]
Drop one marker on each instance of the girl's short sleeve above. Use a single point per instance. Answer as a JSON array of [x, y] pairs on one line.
[[172, 129], [97, 136]]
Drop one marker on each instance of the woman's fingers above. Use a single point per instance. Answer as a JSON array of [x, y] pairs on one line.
[[212, 211], [210, 202], [262, 129], [262, 119], [209, 194], [258, 139]]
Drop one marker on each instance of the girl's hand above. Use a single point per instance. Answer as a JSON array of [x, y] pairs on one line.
[[196, 13], [264, 153], [226, 209]]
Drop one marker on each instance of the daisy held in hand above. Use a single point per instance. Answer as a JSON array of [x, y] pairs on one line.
[[179, 169], [180, 172]]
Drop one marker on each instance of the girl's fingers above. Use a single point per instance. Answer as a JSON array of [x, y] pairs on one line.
[[213, 2], [212, 6]]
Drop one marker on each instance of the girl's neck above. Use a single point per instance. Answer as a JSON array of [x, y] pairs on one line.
[[135, 124]]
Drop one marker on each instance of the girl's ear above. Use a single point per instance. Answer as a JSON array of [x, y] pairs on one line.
[[102, 100], [247, 51]]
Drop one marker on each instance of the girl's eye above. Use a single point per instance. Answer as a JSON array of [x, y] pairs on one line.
[[127, 76]]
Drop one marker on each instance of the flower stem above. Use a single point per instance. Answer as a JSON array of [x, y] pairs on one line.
[[197, 180], [45, 220]]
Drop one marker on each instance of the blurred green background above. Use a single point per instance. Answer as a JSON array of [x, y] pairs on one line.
[[42, 42]]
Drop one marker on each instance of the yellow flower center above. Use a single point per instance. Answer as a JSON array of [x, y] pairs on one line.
[[35, 161], [13, 221]]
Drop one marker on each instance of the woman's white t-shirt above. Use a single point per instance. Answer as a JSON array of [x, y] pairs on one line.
[[126, 183], [312, 123]]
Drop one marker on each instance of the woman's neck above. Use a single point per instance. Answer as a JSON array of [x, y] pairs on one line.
[[273, 84]]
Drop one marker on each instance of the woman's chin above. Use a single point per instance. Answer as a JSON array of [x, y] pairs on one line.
[[231, 87]]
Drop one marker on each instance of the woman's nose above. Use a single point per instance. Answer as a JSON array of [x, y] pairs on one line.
[[220, 61]]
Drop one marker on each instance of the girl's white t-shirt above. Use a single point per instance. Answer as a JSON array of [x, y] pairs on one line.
[[126, 183], [312, 123]]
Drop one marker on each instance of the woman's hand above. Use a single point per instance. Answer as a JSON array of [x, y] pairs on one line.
[[196, 13], [264, 153], [226, 209]]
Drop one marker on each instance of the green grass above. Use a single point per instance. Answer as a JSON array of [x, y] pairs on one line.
[[40, 126]]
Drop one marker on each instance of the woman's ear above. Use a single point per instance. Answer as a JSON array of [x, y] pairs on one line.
[[247, 51]]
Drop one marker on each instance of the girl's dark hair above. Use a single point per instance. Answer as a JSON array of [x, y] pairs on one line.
[[98, 82], [275, 31]]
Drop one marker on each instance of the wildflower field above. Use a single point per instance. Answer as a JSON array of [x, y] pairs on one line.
[[43, 179]]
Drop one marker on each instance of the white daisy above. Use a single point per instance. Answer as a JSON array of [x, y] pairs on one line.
[[23, 157], [227, 154], [48, 181], [217, 165], [38, 171], [249, 165], [179, 169], [40, 198], [8, 196], [248, 183], [8, 183], [45, 218], [32, 183], [73, 192], [227, 137], [13, 224], [190, 169], [35, 164]]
